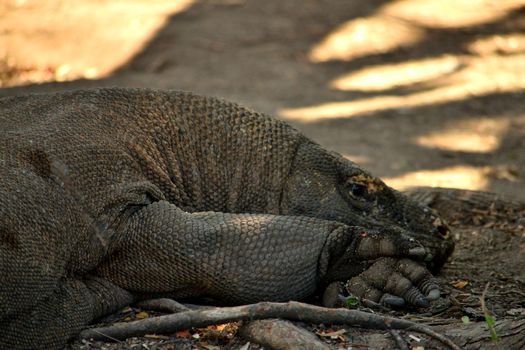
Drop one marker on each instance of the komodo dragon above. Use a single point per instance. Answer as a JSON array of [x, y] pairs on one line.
[[112, 195]]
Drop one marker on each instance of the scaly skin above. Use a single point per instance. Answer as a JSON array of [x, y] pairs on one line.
[[112, 195]]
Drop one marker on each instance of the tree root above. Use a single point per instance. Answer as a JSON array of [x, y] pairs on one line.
[[401, 343], [294, 311], [280, 334], [449, 201]]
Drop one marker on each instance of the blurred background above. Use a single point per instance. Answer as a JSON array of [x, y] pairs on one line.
[[420, 92]]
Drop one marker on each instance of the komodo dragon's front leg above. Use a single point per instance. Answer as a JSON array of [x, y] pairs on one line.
[[234, 258], [243, 258]]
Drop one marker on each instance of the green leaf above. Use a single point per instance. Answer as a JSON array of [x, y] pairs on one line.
[[491, 321], [352, 302]]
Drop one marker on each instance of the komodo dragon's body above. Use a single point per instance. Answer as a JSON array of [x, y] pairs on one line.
[[111, 195]]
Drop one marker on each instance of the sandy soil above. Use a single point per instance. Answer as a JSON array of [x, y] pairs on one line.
[[420, 92]]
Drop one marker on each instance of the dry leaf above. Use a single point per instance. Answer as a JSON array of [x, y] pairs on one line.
[[459, 284], [141, 315], [332, 334], [156, 336], [221, 327], [183, 334]]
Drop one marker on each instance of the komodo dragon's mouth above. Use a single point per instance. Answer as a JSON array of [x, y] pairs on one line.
[[439, 246]]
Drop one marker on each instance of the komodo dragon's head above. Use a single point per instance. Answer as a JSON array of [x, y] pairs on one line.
[[325, 185]]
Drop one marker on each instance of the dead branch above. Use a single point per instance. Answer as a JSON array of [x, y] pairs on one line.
[[292, 310]]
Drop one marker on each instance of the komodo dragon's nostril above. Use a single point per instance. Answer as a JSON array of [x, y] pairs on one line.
[[443, 230], [441, 227]]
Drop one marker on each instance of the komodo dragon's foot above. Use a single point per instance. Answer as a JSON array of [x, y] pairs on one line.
[[395, 283], [381, 267]]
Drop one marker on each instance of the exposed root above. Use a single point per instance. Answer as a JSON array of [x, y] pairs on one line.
[[294, 311]]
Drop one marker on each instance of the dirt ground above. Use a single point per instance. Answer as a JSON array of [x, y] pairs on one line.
[[420, 92]]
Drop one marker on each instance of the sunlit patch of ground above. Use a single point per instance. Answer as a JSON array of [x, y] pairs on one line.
[[365, 36], [482, 135], [465, 177], [461, 176], [398, 75], [450, 13], [59, 40], [448, 82], [403, 23], [498, 44]]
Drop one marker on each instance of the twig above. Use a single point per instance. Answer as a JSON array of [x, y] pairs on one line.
[[107, 336], [292, 310], [489, 320]]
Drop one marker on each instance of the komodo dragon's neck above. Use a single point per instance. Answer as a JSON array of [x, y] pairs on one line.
[[211, 155]]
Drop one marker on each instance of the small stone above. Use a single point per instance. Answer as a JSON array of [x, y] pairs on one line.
[[516, 312]]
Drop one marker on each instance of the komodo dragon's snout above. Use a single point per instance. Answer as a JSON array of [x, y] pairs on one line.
[[325, 185]]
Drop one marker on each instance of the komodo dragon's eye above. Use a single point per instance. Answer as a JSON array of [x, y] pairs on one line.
[[358, 190]]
